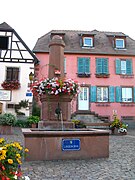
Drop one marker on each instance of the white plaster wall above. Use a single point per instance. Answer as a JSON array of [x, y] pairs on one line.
[[20, 94]]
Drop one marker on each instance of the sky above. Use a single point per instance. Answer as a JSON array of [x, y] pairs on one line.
[[31, 19]]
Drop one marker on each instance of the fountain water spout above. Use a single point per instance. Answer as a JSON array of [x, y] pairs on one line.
[[58, 113]]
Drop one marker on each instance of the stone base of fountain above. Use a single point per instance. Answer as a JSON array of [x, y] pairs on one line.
[[55, 125], [67, 144]]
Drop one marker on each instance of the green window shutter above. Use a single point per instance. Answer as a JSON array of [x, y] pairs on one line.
[[111, 94], [98, 65], [118, 66], [118, 94], [87, 65], [80, 65], [134, 94], [105, 65], [93, 93], [129, 66]]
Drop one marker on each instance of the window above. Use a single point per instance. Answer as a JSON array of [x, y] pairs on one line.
[[102, 94], [102, 66], [3, 42], [127, 94], [123, 66], [83, 67], [120, 43], [65, 65], [88, 42], [12, 74]]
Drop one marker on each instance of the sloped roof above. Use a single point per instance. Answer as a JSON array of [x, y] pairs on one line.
[[102, 43], [5, 27]]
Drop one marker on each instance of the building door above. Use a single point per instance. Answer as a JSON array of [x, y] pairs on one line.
[[83, 99]]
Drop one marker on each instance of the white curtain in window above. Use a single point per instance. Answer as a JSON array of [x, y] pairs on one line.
[[127, 94]]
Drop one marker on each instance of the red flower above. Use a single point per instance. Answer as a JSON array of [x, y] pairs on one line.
[[10, 85]]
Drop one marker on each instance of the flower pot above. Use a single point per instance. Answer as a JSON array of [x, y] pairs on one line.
[[56, 98], [114, 131], [6, 130], [34, 125]]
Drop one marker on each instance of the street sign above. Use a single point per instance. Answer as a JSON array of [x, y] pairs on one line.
[[70, 144]]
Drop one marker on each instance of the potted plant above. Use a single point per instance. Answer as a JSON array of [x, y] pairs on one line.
[[11, 156], [33, 121], [55, 87], [117, 126], [78, 123], [123, 129], [7, 120]]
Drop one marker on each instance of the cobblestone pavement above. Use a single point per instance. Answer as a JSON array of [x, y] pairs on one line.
[[119, 166]]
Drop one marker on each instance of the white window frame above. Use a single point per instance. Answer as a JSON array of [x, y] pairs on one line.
[[87, 45], [127, 96], [102, 99], [65, 62], [123, 67], [123, 44]]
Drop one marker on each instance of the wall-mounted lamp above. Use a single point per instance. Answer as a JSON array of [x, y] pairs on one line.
[[31, 76]]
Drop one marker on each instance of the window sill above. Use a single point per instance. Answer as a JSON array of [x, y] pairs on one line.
[[83, 75], [126, 76], [88, 47], [116, 48], [102, 75], [128, 104], [103, 104]]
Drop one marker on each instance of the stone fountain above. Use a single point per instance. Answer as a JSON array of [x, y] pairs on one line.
[[47, 142]]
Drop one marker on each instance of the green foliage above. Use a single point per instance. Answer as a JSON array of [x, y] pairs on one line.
[[33, 119], [116, 123], [78, 123], [11, 157], [24, 103], [35, 109], [22, 123], [124, 126], [7, 119]]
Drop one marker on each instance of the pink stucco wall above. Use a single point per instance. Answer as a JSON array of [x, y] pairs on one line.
[[113, 80]]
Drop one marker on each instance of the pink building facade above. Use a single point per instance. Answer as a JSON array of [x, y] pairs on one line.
[[104, 65]]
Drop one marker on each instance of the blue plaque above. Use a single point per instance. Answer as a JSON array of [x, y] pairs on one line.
[[70, 144], [28, 94]]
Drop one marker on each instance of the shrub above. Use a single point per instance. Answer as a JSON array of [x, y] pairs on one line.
[[33, 119], [22, 123], [7, 119], [78, 124], [35, 109]]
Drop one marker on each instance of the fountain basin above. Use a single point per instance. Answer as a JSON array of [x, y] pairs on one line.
[[70, 144]]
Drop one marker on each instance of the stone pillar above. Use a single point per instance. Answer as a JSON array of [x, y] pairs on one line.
[[56, 57], [50, 102]]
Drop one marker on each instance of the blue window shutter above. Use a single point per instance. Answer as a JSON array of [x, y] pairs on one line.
[[98, 65], [80, 65], [118, 94], [118, 66], [129, 66], [134, 94], [87, 65], [105, 65], [93, 93], [111, 94]]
